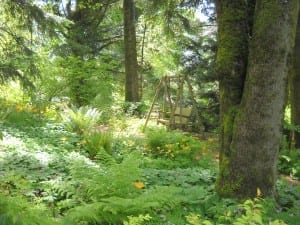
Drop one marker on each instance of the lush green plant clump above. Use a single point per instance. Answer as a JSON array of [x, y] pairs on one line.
[[184, 149], [82, 119], [289, 163]]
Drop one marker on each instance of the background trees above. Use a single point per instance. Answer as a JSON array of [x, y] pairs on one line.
[[22, 25]]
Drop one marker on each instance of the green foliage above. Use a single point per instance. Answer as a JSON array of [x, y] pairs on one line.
[[137, 220], [116, 209], [20, 114], [97, 141], [13, 93], [135, 108], [23, 25], [20, 117], [107, 201], [17, 211], [179, 177], [288, 160], [291, 127], [96, 182], [46, 177], [186, 150], [46, 165], [288, 199], [85, 82], [193, 219], [250, 212], [82, 119], [289, 163]]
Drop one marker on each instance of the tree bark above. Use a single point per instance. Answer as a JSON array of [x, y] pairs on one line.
[[295, 88], [131, 65], [231, 63], [233, 33], [251, 161]]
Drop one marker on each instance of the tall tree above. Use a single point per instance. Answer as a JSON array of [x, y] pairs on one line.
[[295, 88], [249, 153], [131, 65], [92, 31]]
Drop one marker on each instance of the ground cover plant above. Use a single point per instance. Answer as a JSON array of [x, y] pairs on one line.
[[52, 174]]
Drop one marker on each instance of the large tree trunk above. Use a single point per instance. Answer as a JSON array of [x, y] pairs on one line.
[[131, 66], [231, 63], [251, 162], [295, 87]]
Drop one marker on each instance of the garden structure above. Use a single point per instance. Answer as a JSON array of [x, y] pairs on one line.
[[175, 109]]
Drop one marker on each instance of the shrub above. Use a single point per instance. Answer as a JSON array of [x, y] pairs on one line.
[[20, 114], [177, 146]]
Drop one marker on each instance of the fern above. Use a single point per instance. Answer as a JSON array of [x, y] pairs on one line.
[[17, 211], [97, 142], [82, 119], [109, 194], [105, 181], [117, 209]]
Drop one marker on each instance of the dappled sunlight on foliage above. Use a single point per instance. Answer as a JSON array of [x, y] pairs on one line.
[[187, 150], [108, 175]]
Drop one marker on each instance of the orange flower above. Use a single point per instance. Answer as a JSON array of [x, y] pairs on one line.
[[139, 184]]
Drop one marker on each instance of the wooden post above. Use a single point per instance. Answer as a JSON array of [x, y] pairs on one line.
[[153, 102], [181, 82], [168, 92]]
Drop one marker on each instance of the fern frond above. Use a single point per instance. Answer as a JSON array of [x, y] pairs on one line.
[[17, 211], [116, 209]]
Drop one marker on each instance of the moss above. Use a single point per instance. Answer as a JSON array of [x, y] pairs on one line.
[[226, 184], [266, 28], [265, 19], [231, 66], [232, 35], [228, 125], [229, 188]]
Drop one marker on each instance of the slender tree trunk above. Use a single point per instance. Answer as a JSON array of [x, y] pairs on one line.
[[131, 66], [256, 137], [141, 78], [295, 87]]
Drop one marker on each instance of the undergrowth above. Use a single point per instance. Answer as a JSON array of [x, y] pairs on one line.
[[51, 175]]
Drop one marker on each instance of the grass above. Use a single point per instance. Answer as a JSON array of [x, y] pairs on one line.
[[153, 178]]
